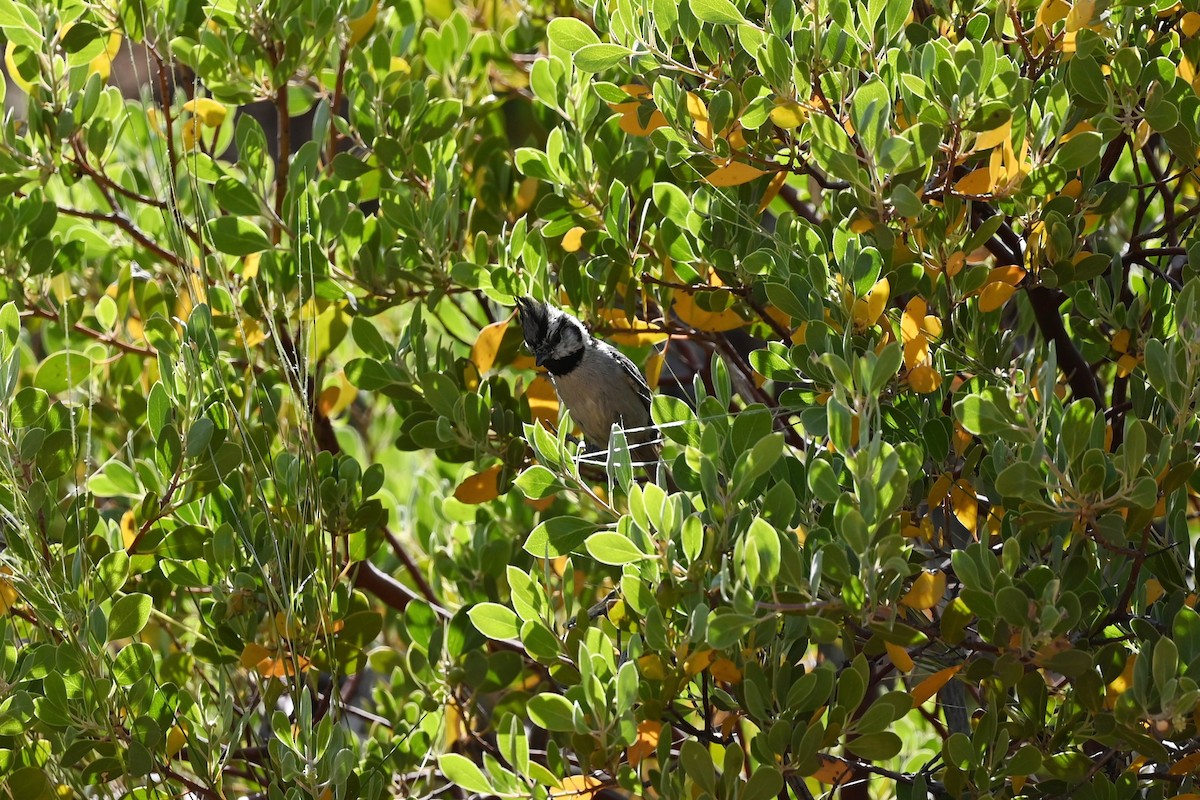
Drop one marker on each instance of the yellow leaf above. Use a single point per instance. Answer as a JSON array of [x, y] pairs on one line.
[[735, 173], [1154, 590], [1126, 364], [253, 654], [8, 594], [773, 189], [699, 114], [966, 507], [931, 685], [1081, 14], [176, 739], [832, 770], [926, 591], [862, 224], [924, 379], [933, 326], [648, 731], [702, 320], [543, 401], [487, 343], [789, 114], [1190, 24], [102, 64], [10, 65], [912, 320], [976, 183], [899, 657], [129, 529], [250, 266], [995, 295], [190, 132], [361, 26], [698, 661], [867, 310], [577, 787], [573, 239], [208, 111], [989, 139], [337, 398], [1120, 341], [725, 671], [1051, 11], [651, 667], [654, 365], [480, 487], [632, 333], [916, 350]]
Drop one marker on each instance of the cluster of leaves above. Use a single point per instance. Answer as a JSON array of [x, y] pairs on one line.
[[288, 513]]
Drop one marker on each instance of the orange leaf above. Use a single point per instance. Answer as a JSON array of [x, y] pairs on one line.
[[483, 352], [975, 184], [899, 656], [832, 770], [931, 685], [702, 320], [578, 787], [480, 487], [543, 402], [646, 742], [773, 189], [1012, 275], [725, 670], [995, 295], [735, 173], [1190, 24], [651, 667], [1186, 765], [926, 591], [573, 239]]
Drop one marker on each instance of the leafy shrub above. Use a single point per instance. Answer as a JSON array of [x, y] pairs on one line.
[[284, 510]]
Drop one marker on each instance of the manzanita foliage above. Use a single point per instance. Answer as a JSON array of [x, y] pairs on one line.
[[287, 512]]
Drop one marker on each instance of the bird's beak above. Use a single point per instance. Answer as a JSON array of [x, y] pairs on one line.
[[523, 305], [540, 358]]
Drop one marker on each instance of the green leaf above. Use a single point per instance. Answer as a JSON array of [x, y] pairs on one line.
[[63, 370], [1021, 480], [551, 711], [134, 662], [599, 57], [558, 536], [719, 12], [571, 34], [875, 746], [463, 772], [237, 236], [609, 547], [128, 616], [538, 482], [495, 621], [765, 783]]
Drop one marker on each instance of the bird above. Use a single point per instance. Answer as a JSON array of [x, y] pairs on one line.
[[597, 383]]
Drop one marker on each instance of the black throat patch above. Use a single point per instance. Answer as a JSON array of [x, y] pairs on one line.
[[564, 365]]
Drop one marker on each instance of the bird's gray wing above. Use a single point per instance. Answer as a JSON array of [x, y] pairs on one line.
[[636, 379]]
